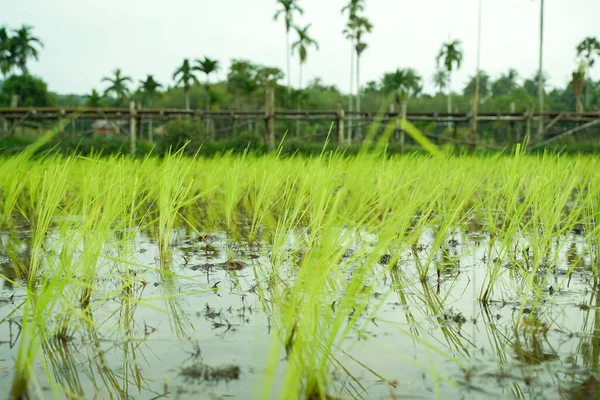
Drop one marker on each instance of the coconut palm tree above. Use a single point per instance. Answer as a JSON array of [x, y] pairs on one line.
[[577, 84], [184, 75], [588, 49], [7, 52], [149, 88], [302, 44], [25, 47], [207, 66], [287, 10], [450, 55], [440, 79], [117, 86]]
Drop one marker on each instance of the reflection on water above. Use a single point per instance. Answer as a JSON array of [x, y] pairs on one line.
[[201, 323]]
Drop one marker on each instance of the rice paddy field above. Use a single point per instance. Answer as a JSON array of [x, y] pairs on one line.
[[331, 277]]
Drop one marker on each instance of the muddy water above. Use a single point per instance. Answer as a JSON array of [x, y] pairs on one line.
[[204, 331]]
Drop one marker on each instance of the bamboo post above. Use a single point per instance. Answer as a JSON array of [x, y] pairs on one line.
[[150, 131], [511, 124], [234, 116], [528, 126], [132, 130], [455, 130], [139, 121], [270, 115], [402, 120], [340, 124], [62, 120], [473, 120], [396, 122]]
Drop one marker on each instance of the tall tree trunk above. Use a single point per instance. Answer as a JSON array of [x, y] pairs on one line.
[[299, 98], [206, 122], [477, 85], [187, 99], [350, 94], [358, 130], [587, 91], [540, 77], [449, 97], [578, 104], [403, 107], [287, 55]]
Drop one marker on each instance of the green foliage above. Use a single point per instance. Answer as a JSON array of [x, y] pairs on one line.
[[95, 99], [185, 76], [402, 81], [287, 10], [505, 84], [484, 86], [31, 91], [18, 49], [303, 43], [450, 55], [589, 48], [118, 85], [182, 132], [24, 46], [149, 88], [245, 78]]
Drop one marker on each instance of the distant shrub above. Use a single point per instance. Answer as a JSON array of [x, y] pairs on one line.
[[178, 132]]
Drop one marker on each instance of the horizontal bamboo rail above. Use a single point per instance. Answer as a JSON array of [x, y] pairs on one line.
[[54, 113]]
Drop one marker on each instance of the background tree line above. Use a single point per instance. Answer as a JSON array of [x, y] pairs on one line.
[[243, 87]]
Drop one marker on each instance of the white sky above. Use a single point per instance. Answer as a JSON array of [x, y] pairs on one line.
[[86, 39]]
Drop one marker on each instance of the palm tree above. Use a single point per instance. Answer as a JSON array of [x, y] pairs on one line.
[[440, 79], [24, 47], [149, 87], [304, 41], [360, 25], [288, 8], [186, 78], [352, 8], [207, 66], [403, 83], [588, 49], [7, 53], [355, 28], [577, 84], [94, 99], [118, 85], [450, 55]]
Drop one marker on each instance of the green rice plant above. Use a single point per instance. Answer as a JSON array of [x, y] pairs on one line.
[[42, 302], [46, 190]]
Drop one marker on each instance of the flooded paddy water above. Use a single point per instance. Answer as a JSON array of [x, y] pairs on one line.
[[242, 277]]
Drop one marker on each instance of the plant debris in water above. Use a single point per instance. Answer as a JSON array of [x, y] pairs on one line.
[[200, 372]]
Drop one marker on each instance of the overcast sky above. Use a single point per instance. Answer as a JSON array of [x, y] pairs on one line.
[[86, 39]]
